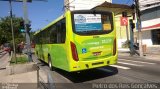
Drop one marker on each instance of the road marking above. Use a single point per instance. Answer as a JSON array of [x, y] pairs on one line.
[[122, 67], [137, 61], [129, 64]]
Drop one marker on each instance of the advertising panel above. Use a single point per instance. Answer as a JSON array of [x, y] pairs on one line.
[[87, 22]]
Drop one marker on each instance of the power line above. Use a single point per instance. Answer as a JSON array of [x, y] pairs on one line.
[[67, 6]]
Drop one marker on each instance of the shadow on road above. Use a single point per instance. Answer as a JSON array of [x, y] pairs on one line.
[[91, 74], [87, 75]]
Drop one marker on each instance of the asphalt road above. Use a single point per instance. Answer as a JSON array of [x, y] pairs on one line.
[[128, 70]]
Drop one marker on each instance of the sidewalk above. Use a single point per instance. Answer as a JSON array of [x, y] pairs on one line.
[[28, 77], [25, 77], [152, 53], [21, 78]]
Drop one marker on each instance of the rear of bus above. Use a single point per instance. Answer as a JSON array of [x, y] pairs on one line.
[[92, 40]]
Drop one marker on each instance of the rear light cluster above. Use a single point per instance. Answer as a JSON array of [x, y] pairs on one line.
[[114, 47], [74, 51]]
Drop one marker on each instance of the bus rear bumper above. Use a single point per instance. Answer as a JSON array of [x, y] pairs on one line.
[[84, 65]]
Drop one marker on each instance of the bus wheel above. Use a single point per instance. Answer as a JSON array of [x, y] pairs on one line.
[[50, 63]]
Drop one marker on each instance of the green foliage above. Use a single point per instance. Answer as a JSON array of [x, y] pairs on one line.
[[6, 32], [20, 60]]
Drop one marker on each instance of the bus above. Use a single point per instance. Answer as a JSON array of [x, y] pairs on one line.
[[78, 40]]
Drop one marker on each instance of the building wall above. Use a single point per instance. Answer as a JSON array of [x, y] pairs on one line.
[[150, 18], [150, 21], [121, 31], [147, 4], [150, 13], [147, 38]]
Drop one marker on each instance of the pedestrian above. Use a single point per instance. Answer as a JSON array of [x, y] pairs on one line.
[[9, 48], [21, 46]]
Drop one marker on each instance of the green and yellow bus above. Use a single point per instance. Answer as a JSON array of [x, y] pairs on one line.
[[78, 40]]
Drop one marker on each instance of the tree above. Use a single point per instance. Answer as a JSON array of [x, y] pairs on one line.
[[5, 29]]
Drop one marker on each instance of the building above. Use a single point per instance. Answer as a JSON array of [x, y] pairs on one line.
[[150, 17], [83, 4], [103, 5], [122, 31]]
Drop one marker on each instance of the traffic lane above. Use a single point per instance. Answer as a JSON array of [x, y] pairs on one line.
[[148, 70], [138, 76], [87, 79], [123, 76], [61, 76], [99, 75], [144, 68], [106, 74], [137, 58], [87, 75]]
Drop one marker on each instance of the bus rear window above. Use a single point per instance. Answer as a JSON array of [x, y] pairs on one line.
[[88, 23]]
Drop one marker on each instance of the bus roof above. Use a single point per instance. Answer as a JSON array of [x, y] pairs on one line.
[[53, 22]]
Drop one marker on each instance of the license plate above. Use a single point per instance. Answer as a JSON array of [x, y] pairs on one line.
[[96, 53]]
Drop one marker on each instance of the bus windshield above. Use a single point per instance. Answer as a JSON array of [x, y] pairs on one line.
[[92, 23]]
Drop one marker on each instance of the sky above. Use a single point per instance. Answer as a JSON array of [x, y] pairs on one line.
[[41, 13]]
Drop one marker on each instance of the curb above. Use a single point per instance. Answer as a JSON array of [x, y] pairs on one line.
[[20, 68]]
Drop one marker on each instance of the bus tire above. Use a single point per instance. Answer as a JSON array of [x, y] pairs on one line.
[[50, 64]]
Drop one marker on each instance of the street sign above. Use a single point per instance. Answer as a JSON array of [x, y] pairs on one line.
[[22, 30], [124, 21]]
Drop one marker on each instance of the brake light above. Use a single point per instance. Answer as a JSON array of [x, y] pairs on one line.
[[74, 51], [114, 47]]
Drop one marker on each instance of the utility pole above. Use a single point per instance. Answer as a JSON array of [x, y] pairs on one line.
[[26, 24], [139, 27], [13, 43], [127, 33]]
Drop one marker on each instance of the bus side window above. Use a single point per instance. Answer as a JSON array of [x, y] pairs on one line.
[[58, 28], [47, 36], [40, 38], [53, 35], [58, 32], [36, 38], [63, 31], [43, 37]]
